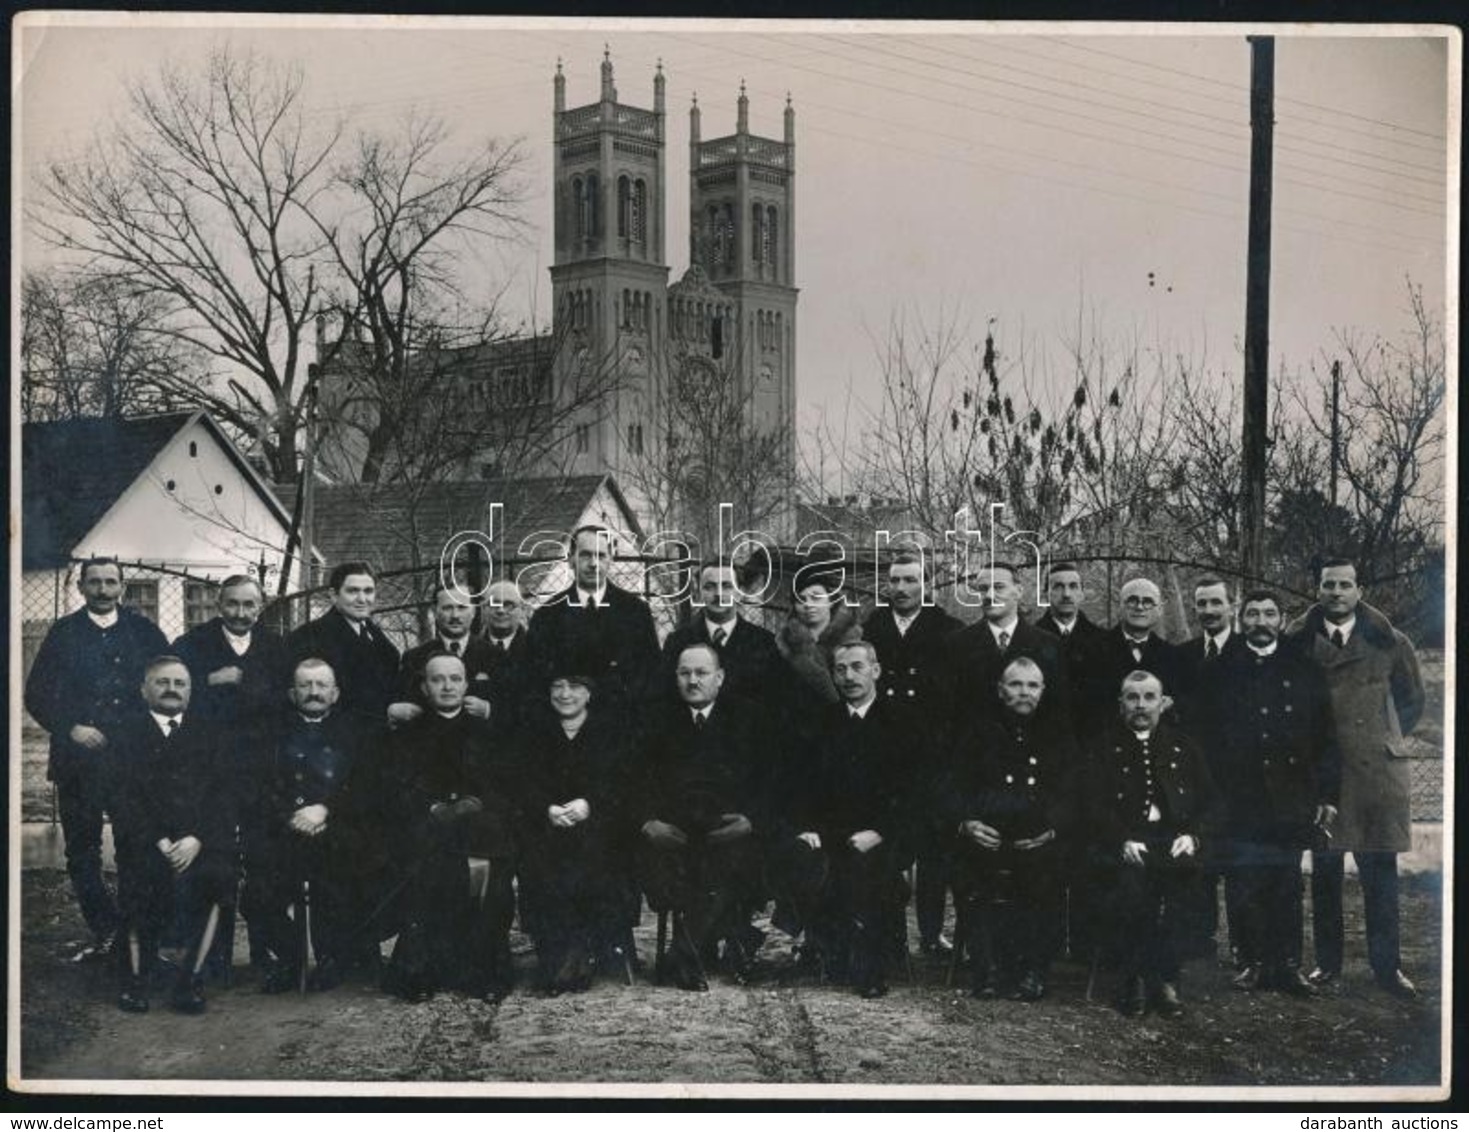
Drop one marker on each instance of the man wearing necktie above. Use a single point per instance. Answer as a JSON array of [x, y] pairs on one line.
[[453, 616], [174, 833], [845, 830], [1155, 804], [1377, 698], [345, 636], [1133, 643], [699, 816], [748, 654]]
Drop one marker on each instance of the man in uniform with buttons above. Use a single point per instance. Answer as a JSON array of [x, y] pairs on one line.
[[909, 635], [316, 751], [1008, 802], [1275, 760], [1154, 803], [83, 684]]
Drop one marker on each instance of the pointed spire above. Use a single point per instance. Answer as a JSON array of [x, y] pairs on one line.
[[560, 86], [658, 88], [742, 119], [694, 121], [790, 121]]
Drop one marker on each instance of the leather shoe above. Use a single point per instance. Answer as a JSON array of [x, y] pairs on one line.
[[1166, 1001], [937, 948], [1290, 981], [326, 976], [1032, 987], [1323, 977], [1132, 1000], [686, 978], [278, 979], [873, 990], [133, 997], [1396, 984], [188, 995], [985, 986], [1248, 979]]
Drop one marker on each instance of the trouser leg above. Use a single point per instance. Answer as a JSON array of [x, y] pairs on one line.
[[931, 889], [1379, 876], [1326, 908], [79, 799]]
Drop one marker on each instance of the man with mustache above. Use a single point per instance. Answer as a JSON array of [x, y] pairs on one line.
[[308, 847], [174, 832], [453, 615], [1276, 761], [1154, 804], [83, 684], [1008, 800], [235, 667]]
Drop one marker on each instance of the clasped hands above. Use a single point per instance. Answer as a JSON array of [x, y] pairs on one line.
[[447, 813], [864, 840], [571, 813], [988, 837], [309, 821], [180, 853]]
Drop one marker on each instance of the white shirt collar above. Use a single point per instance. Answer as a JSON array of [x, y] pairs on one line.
[[1143, 736], [449, 714], [904, 622], [1007, 627], [600, 595], [1064, 627], [1345, 628], [1220, 639], [725, 627], [861, 710], [103, 620], [239, 643], [162, 720], [1263, 652], [701, 713]]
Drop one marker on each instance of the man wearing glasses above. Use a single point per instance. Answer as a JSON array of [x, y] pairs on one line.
[[1130, 645]]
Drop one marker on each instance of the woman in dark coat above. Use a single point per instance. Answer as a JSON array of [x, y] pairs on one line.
[[572, 784], [810, 635]]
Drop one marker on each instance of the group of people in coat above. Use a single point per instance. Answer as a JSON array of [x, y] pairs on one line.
[[1075, 789]]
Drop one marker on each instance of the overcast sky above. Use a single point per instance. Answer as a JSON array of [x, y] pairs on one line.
[[940, 168]]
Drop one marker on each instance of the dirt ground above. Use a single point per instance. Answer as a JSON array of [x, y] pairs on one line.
[[776, 1031]]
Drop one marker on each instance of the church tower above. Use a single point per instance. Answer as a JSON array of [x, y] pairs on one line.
[[609, 277], [742, 196]]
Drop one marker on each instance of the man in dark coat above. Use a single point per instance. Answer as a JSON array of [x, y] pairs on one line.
[[443, 792], [174, 833], [1132, 644], [698, 810], [346, 637], [1081, 638], [1154, 803], [453, 617], [83, 684], [512, 694], [978, 653], [1196, 662], [1008, 803], [236, 666], [849, 806], [309, 845], [910, 637], [609, 628], [753, 669], [1376, 700], [1274, 757]]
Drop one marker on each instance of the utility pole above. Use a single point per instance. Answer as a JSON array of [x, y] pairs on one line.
[[1257, 303], [1335, 428]]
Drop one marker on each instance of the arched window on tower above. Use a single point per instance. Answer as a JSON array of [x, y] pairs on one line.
[[716, 240], [730, 232], [772, 244], [594, 196], [579, 205], [640, 211], [624, 208], [757, 229]]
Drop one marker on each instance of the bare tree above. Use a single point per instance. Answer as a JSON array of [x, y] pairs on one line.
[[91, 347], [705, 446]]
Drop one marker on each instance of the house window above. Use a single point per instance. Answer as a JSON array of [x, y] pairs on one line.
[[198, 603], [143, 597], [635, 439]]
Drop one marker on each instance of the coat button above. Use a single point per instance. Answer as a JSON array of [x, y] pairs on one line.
[[1009, 778], [1264, 711], [1289, 708], [300, 801]]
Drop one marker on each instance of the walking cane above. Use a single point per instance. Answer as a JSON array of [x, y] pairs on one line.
[[303, 932]]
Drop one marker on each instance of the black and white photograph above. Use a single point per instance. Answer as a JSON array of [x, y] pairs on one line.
[[465, 641]]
